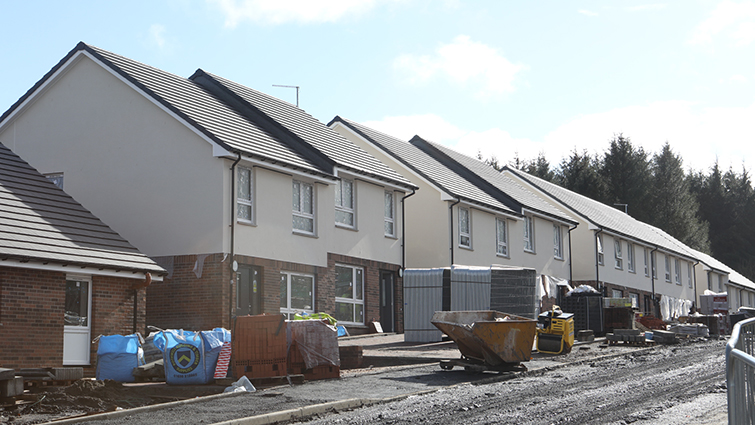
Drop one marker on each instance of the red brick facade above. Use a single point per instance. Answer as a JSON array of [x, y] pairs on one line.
[[32, 304], [186, 301]]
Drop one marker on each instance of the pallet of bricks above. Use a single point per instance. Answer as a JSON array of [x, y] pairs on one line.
[[259, 346], [628, 337], [314, 350]]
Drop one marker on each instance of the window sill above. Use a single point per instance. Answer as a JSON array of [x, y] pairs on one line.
[[346, 227], [246, 223], [632, 271], [391, 236], [305, 234], [502, 255], [468, 248], [528, 251], [619, 268], [558, 258]]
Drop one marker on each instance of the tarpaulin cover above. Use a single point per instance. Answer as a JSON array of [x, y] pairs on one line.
[[117, 356], [190, 357], [316, 340]]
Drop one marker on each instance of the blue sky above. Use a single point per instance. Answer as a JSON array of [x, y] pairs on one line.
[[498, 77]]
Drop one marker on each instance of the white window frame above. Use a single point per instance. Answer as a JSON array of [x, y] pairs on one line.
[[501, 246], [389, 214], [689, 274], [710, 280], [345, 209], [630, 257], [599, 242], [243, 202], [647, 267], [303, 214], [668, 268], [678, 271], [354, 300], [720, 283], [465, 235], [289, 311], [618, 259], [653, 265], [558, 243], [635, 300], [529, 234]]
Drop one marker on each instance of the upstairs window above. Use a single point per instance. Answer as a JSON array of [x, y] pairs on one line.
[[304, 207], [244, 195], [389, 214], [618, 259], [345, 202], [501, 237], [720, 283], [652, 261], [668, 269], [678, 271], [465, 226], [599, 243], [529, 234], [56, 179], [647, 269], [710, 281], [630, 257], [689, 274], [558, 247]]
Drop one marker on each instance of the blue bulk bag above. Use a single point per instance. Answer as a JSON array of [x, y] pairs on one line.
[[117, 356]]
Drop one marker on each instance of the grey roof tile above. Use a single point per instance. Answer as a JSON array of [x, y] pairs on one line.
[[427, 167], [40, 222]]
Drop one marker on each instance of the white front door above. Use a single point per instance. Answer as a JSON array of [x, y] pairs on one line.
[[77, 321]]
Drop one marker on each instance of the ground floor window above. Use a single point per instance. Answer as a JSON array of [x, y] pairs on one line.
[[349, 294], [635, 300], [616, 293], [297, 293]]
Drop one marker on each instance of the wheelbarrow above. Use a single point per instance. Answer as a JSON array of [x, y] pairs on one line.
[[488, 340]]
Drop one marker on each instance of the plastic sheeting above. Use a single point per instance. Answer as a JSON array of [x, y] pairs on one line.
[[673, 308], [317, 342], [117, 356]]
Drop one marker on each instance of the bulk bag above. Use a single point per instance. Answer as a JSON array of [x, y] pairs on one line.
[[190, 357], [117, 356]]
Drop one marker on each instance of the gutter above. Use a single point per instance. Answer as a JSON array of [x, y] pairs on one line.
[[403, 230], [451, 228], [233, 234]]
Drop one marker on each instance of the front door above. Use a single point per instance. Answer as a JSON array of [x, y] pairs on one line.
[[387, 280], [249, 292], [77, 321]]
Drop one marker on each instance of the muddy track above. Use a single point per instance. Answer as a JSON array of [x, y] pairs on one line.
[[626, 389]]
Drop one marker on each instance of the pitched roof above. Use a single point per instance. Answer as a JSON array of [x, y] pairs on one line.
[[256, 125], [40, 222], [606, 217], [492, 179], [427, 167], [274, 114], [734, 276]]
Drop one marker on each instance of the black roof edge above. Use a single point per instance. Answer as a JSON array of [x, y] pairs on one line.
[[255, 115], [466, 173], [411, 167], [26, 258]]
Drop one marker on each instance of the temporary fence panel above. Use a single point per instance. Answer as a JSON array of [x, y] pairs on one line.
[[423, 296], [470, 288], [740, 373], [513, 291]]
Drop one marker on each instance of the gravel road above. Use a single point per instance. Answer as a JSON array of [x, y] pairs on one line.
[[667, 385]]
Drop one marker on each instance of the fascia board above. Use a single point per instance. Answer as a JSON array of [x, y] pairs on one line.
[[79, 270], [479, 207], [252, 162], [549, 217], [346, 173]]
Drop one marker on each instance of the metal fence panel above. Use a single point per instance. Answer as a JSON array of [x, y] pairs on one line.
[[740, 373], [470, 288], [423, 296]]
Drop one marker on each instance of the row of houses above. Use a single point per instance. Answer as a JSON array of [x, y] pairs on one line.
[[240, 203]]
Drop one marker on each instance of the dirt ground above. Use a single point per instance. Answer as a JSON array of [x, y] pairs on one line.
[[90, 396]]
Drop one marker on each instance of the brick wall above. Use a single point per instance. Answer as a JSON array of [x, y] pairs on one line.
[[32, 304]]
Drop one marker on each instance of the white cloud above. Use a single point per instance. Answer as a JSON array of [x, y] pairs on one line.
[[738, 79], [157, 35], [588, 12], [644, 7], [700, 135], [735, 20], [276, 12], [462, 61]]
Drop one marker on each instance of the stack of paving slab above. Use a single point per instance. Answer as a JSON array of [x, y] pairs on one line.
[[691, 329], [664, 337], [626, 335]]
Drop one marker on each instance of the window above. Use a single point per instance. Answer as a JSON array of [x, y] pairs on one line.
[[390, 222], [689, 274], [668, 269], [345, 202], [710, 281], [647, 269], [501, 237], [635, 300], [349, 294], [630, 257], [77, 302], [529, 234], [720, 283], [618, 260], [616, 293], [751, 299], [297, 293], [653, 265], [599, 243], [56, 179], [558, 248], [244, 195], [304, 207], [465, 236], [678, 271]]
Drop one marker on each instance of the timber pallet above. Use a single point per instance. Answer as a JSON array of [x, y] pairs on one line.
[[47, 382]]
